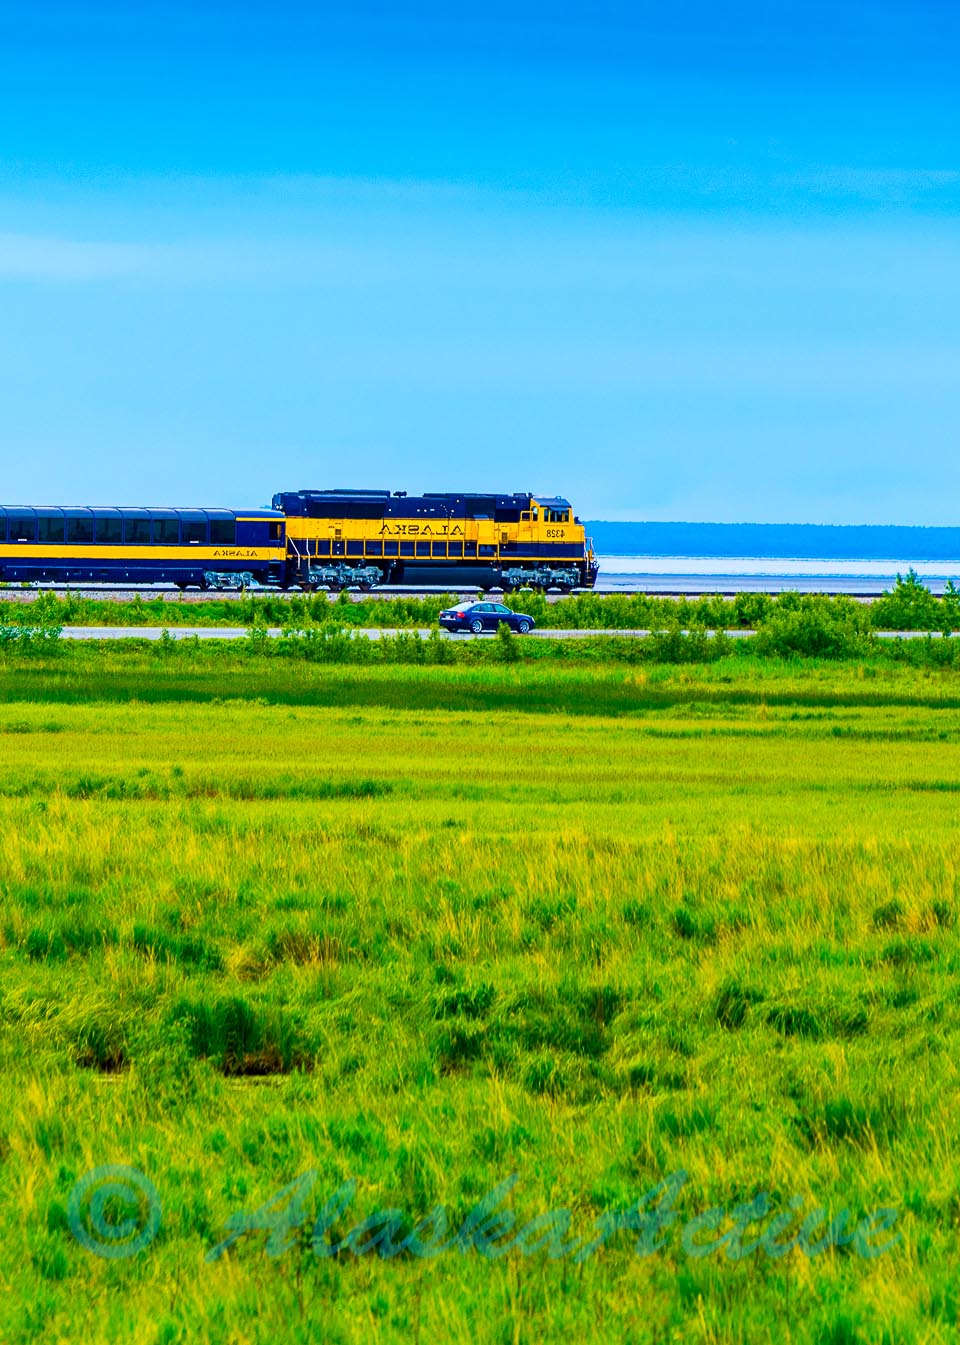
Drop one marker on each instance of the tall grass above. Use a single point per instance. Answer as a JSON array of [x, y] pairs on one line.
[[426, 927]]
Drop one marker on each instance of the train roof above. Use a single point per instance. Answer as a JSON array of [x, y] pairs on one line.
[[140, 509], [403, 494], [519, 499]]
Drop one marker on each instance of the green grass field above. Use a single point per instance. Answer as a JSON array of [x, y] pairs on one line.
[[426, 927]]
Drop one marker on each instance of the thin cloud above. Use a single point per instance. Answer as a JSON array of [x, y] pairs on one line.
[[232, 262], [23, 257], [890, 185]]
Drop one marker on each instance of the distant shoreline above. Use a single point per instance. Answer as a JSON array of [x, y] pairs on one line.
[[776, 541]]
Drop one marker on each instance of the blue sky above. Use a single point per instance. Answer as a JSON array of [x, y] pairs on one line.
[[687, 261]]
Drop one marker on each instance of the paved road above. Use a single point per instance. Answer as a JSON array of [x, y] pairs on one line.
[[375, 633], [240, 632]]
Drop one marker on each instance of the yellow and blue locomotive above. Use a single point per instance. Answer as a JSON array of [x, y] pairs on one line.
[[338, 538]]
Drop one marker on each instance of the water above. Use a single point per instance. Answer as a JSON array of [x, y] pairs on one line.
[[712, 574]]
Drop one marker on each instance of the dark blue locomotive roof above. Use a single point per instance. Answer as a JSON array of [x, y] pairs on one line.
[[45, 510], [383, 504]]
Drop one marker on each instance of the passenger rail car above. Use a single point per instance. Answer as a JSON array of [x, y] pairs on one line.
[[209, 548], [367, 537]]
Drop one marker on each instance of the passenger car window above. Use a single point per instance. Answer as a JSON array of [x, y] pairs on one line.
[[109, 529], [23, 526], [137, 531], [166, 531], [51, 529], [80, 528], [223, 531]]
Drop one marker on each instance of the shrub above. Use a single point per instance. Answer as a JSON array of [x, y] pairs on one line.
[[507, 650], [909, 606], [951, 607], [817, 628], [29, 640]]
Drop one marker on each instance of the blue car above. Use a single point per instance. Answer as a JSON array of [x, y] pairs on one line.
[[476, 617]]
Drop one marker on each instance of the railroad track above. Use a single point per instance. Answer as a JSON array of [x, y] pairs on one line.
[[169, 593]]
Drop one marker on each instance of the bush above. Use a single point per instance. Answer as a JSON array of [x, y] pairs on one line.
[[814, 627], [27, 640], [694, 646], [507, 650], [911, 606]]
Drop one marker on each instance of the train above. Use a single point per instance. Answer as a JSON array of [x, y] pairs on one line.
[[308, 539]]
